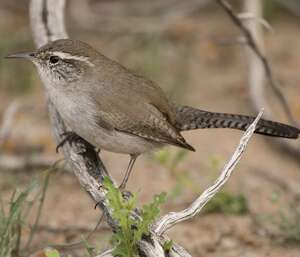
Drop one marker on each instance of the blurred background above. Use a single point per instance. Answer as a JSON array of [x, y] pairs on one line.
[[195, 53]]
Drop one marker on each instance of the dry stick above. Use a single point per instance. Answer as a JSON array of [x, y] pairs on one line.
[[161, 15], [34, 161], [7, 121], [292, 6], [256, 71], [173, 218], [81, 242], [275, 85], [257, 77], [40, 207], [250, 16]]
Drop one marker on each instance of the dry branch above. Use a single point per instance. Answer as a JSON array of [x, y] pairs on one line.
[[35, 161], [7, 121], [251, 42], [173, 218], [291, 5], [156, 19], [259, 67]]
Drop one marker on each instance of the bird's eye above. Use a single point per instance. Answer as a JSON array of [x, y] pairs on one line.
[[54, 59]]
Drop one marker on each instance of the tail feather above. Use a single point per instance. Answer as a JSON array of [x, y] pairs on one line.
[[188, 118]]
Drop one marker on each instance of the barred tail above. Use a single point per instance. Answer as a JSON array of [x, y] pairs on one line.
[[188, 118]]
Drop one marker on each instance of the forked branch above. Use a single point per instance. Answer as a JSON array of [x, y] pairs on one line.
[[260, 68], [251, 42], [173, 218]]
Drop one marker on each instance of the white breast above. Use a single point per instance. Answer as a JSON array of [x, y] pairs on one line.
[[80, 116]]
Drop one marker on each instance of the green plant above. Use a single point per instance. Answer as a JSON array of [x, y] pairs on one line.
[[11, 223], [15, 218], [130, 229], [167, 246], [171, 161], [227, 203], [287, 222], [52, 253]]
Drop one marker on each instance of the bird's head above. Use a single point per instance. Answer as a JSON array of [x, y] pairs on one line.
[[63, 60]]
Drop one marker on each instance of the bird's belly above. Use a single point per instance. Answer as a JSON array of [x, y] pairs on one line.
[[119, 142], [110, 140], [114, 141], [80, 119]]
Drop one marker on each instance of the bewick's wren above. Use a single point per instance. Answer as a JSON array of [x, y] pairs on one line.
[[116, 110]]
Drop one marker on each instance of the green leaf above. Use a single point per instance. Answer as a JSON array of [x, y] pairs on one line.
[[131, 229], [168, 245], [52, 253], [227, 203]]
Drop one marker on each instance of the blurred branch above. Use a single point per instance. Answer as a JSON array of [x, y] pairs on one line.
[[254, 17], [35, 161], [252, 43], [7, 121], [256, 70], [138, 20], [259, 67], [284, 182], [173, 218], [291, 5]]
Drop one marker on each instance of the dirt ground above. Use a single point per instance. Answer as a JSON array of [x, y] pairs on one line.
[[211, 76]]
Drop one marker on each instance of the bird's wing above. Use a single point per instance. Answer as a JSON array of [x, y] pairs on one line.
[[143, 120], [132, 104]]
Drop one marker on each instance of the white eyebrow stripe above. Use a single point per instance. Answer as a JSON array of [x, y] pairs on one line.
[[63, 55]]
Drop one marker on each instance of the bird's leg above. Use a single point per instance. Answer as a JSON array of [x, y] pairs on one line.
[[70, 137], [128, 172]]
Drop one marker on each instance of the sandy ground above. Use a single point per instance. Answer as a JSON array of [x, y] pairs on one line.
[[217, 81]]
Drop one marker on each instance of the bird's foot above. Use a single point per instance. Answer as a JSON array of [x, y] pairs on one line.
[[122, 187], [126, 194], [69, 137]]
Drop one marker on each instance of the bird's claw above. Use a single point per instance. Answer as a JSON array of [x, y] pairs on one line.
[[69, 137]]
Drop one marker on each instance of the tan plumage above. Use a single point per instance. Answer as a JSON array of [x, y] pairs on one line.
[[115, 109]]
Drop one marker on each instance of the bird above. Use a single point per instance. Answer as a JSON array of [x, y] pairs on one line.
[[115, 109]]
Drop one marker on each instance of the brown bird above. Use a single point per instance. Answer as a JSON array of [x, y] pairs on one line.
[[117, 110]]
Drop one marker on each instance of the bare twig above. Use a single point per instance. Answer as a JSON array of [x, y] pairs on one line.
[[35, 161], [275, 84], [250, 16], [7, 121], [292, 5], [81, 242], [39, 211], [279, 179], [173, 218], [156, 19], [256, 71]]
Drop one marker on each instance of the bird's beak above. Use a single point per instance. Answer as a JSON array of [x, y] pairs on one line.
[[26, 55]]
